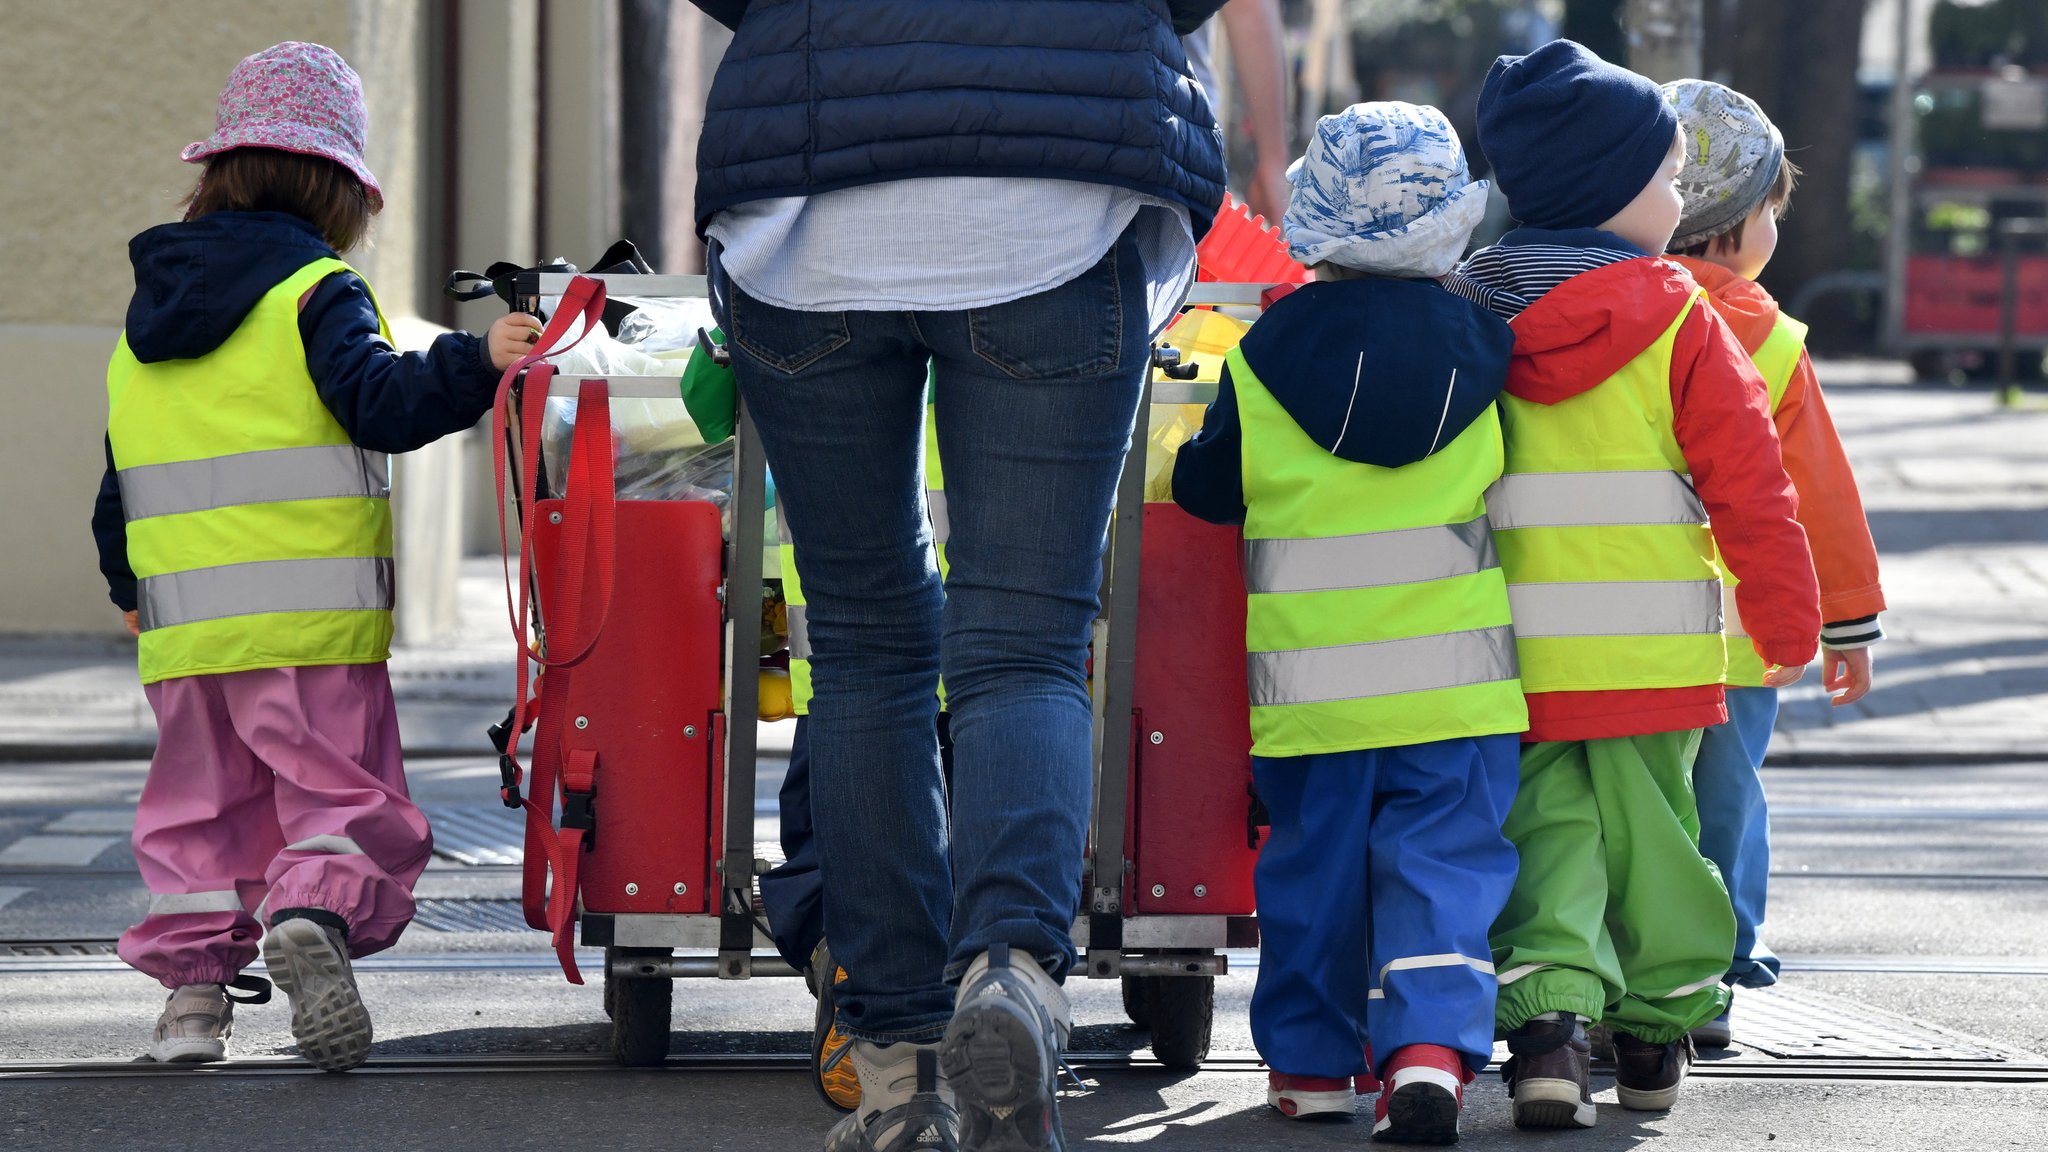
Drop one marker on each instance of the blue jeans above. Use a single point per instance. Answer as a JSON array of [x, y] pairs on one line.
[[1035, 403], [1735, 823], [1384, 873]]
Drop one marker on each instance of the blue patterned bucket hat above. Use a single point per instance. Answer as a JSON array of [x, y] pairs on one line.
[[1384, 188]]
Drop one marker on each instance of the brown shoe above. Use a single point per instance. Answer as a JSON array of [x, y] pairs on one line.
[[1647, 1076], [1549, 1075]]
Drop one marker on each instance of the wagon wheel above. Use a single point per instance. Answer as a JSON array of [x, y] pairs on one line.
[[640, 1012], [1136, 1001], [1183, 1012]]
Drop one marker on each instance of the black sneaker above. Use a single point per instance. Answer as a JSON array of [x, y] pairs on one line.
[[1549, 1075], [1647, 1076], [1002, 1054], [924, 1122], [1718, 1032]]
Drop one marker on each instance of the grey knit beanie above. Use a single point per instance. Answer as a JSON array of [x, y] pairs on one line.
[[1732, 156]]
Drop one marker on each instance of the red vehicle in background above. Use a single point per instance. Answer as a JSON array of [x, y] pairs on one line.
[[1977, 188]]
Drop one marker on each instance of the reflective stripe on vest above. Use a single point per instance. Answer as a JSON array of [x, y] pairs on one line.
[[1381, 667], [1586, 499], [1777, 358], [799, 631], [357, 584], [320, 472], [942, 521], [1369, 559], [1617, 608]]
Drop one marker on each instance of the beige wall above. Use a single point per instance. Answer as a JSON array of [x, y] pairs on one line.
[[99, 96]]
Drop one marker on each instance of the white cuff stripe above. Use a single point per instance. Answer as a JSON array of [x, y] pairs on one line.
[[176, 903], [335, 845], [1439, 960], [1514, 974]]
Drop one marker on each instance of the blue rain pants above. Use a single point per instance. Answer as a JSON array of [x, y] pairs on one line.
[[1735, 823]]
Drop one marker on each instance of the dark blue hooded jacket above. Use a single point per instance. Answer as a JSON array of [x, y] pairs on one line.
[[1379, 371], [194, 284], [815, 95]]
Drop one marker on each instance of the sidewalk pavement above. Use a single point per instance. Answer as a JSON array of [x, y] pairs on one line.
[[1956, 489]]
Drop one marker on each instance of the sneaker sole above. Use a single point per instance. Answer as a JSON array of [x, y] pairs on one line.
[[188, 1051], [1552, 1104], [1311, 1105], [1419, 1114], [328, 1017], [1648, 1099], [994, 1058]]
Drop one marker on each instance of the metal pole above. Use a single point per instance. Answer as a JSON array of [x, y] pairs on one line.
[[1899, 172], [742, 707], [2008, 308]]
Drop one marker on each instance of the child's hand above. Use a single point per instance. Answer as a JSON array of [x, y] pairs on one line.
[[510, 338], [1779, 676], [1846, 674], [133, 619]]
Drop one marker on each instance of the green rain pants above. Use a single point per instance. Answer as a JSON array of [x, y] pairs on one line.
[[1614, 914]]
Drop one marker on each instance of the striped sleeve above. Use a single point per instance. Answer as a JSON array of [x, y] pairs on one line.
[[1843, 635]]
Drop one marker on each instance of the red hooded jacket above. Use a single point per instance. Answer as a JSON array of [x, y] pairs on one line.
[[1577, 336]]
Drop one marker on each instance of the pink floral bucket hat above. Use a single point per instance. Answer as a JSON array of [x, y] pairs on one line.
[[295, 97]]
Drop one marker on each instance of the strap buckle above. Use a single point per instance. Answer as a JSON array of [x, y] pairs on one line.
[[579, 810]]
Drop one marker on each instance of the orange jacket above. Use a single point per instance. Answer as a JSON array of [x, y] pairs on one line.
[[1830, 508]]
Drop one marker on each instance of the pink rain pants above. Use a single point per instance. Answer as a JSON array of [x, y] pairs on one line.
[[271, 789]]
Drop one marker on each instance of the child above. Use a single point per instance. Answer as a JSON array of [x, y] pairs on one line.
[[244, 528], [1354, 436], [1736, 183], [1631, 414]]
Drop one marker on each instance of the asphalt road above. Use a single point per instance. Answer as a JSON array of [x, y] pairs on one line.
[[1909, 903]]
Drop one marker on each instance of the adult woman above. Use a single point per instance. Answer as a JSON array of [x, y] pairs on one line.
[[1005, 191]]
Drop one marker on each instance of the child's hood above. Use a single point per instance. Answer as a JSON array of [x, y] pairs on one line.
[[1750, 311], [1380, 371], [196, 280], [1584, 330]]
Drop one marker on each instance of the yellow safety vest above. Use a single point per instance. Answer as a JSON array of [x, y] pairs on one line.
[[259, 534], [1376, 612], [1777, 358], [1609, 563]]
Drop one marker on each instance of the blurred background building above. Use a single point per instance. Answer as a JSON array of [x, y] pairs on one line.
[[530, 129]]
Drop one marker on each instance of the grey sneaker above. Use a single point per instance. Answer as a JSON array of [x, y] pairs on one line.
[[195, 1026], [905, 1107], [309, 961], [198, 1019], [1002, 1054]]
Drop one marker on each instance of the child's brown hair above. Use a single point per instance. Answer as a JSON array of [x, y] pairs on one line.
[[313, 188], [1777, 201]]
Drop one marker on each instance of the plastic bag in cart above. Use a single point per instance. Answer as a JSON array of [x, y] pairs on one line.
[[1204, 338]]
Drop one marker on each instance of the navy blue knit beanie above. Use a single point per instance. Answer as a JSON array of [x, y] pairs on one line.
[[1572, 138]]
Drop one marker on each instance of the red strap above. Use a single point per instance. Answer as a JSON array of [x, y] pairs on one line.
[[588, 546]]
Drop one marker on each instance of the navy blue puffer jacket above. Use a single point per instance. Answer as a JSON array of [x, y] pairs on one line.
[[816, 95]]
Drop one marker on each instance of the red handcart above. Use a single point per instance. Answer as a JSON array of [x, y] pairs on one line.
[[642, 616]]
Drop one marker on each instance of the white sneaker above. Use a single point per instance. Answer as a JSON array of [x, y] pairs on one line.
[[905, 1106], [195, 1026], [1002, 1053], [309, 961]]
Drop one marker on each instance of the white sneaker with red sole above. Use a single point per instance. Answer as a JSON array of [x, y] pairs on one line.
[[1423, 1093], [1309, 1097]]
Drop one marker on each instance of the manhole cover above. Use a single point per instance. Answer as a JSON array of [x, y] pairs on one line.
[[1811, 1025], [457, 915]]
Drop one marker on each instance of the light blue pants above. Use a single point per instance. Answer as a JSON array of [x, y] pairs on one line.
[[1735, 823], [1384, 873]]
